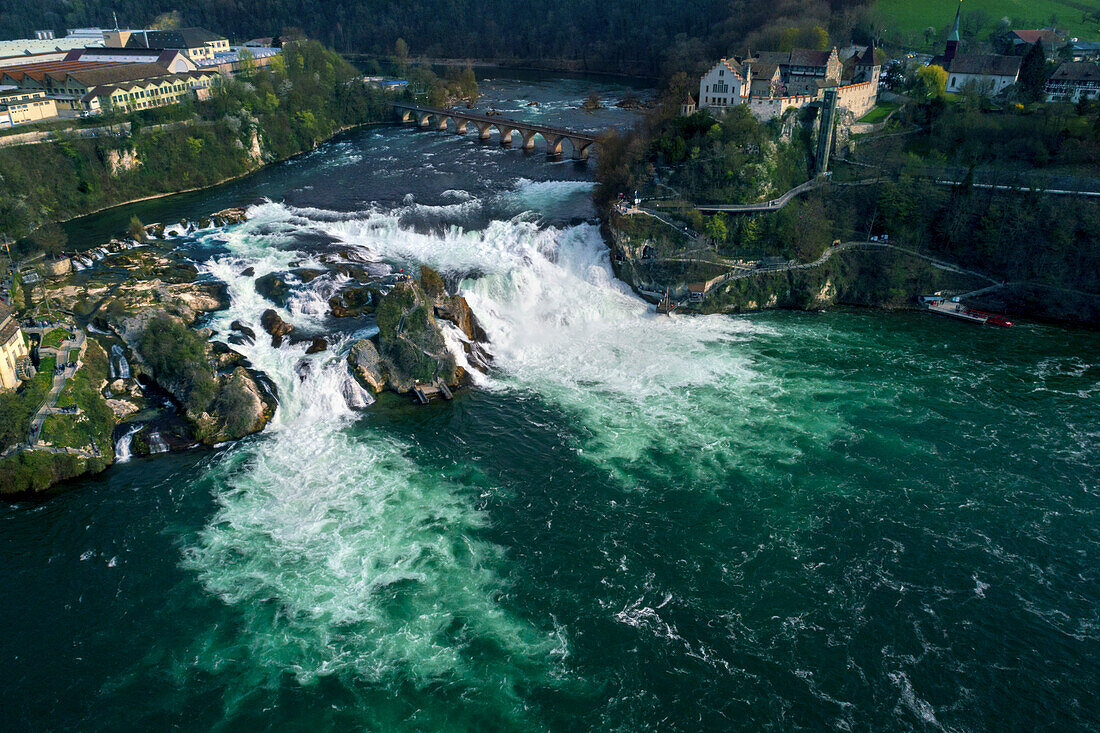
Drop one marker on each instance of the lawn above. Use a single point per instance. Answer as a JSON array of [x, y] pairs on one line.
[[54, 338], [82, 390], [910, 17], [44, 377], [879, 113]]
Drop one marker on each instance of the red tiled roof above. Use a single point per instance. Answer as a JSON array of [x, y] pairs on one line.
[[1047, 36], [55, 69]]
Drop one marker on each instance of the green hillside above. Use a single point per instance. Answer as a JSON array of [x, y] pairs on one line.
[[910, 19]]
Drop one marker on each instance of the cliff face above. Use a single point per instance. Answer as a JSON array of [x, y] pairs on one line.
[[655, 262]]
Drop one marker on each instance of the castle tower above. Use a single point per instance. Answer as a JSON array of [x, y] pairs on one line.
[[867, 68]]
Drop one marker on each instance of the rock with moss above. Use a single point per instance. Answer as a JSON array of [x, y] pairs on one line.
[[241, 407], [274, 287], [411, 343], [410, 339], [354, 301], [36, 471]]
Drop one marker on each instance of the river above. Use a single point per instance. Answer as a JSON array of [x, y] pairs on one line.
[[853, 520]]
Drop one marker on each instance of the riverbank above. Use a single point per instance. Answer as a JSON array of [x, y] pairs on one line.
[[334, 137], [271, 114], [653, 262]]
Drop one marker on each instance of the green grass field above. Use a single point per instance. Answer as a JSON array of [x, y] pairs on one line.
[[54, 338], [879, 113], [911, 17]]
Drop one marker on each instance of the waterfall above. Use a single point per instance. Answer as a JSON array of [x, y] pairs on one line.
[[354, 394], [122, 447], [118, 357], [156, 443]]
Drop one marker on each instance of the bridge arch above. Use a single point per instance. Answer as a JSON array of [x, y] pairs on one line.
[[580, 148], [440, 119], [505, 131]]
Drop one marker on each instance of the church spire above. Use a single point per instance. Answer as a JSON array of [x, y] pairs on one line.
[[953, 39]]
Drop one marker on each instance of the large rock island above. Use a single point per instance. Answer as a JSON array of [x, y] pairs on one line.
[[411, 348], [123, 357]]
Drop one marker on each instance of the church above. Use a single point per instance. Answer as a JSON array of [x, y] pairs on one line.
[[990, 73]]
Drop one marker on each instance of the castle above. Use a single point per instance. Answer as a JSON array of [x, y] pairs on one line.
[[772, 82], [14, 356]]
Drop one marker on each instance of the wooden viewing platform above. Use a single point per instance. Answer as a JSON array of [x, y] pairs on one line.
[[425, 393]]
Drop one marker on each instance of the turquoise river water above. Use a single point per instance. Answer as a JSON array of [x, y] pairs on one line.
[[852, 520]]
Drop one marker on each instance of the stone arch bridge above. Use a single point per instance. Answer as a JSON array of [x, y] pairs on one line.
[[431, 118]]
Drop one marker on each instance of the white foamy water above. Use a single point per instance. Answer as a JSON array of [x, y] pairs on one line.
[[342, 555], [561, 326], [122, 448]]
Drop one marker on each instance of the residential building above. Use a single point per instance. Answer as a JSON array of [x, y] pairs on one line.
[[19, 106], [801, 70], [990, 72], [173, 61], [1074, 81], [14, 355], [1018, 43], [687, 107], [1084, 50], [197, 44]]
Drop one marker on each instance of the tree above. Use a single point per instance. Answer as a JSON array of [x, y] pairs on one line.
[[49, 238], [931, 82], [401, 55], [167, 21], [592, 102], [137, 229], [248, 63], [717, 229], [1033, 72]]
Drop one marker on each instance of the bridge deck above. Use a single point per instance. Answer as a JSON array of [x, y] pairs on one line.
[[497, 120]]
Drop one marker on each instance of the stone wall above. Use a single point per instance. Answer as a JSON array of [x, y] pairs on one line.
[[767, 108], [859, 99]]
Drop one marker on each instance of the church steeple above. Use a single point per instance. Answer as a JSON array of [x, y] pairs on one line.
[[953, 38]]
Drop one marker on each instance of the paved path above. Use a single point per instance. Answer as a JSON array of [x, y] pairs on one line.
[[740, 272], [773, 205], [79, 342]]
